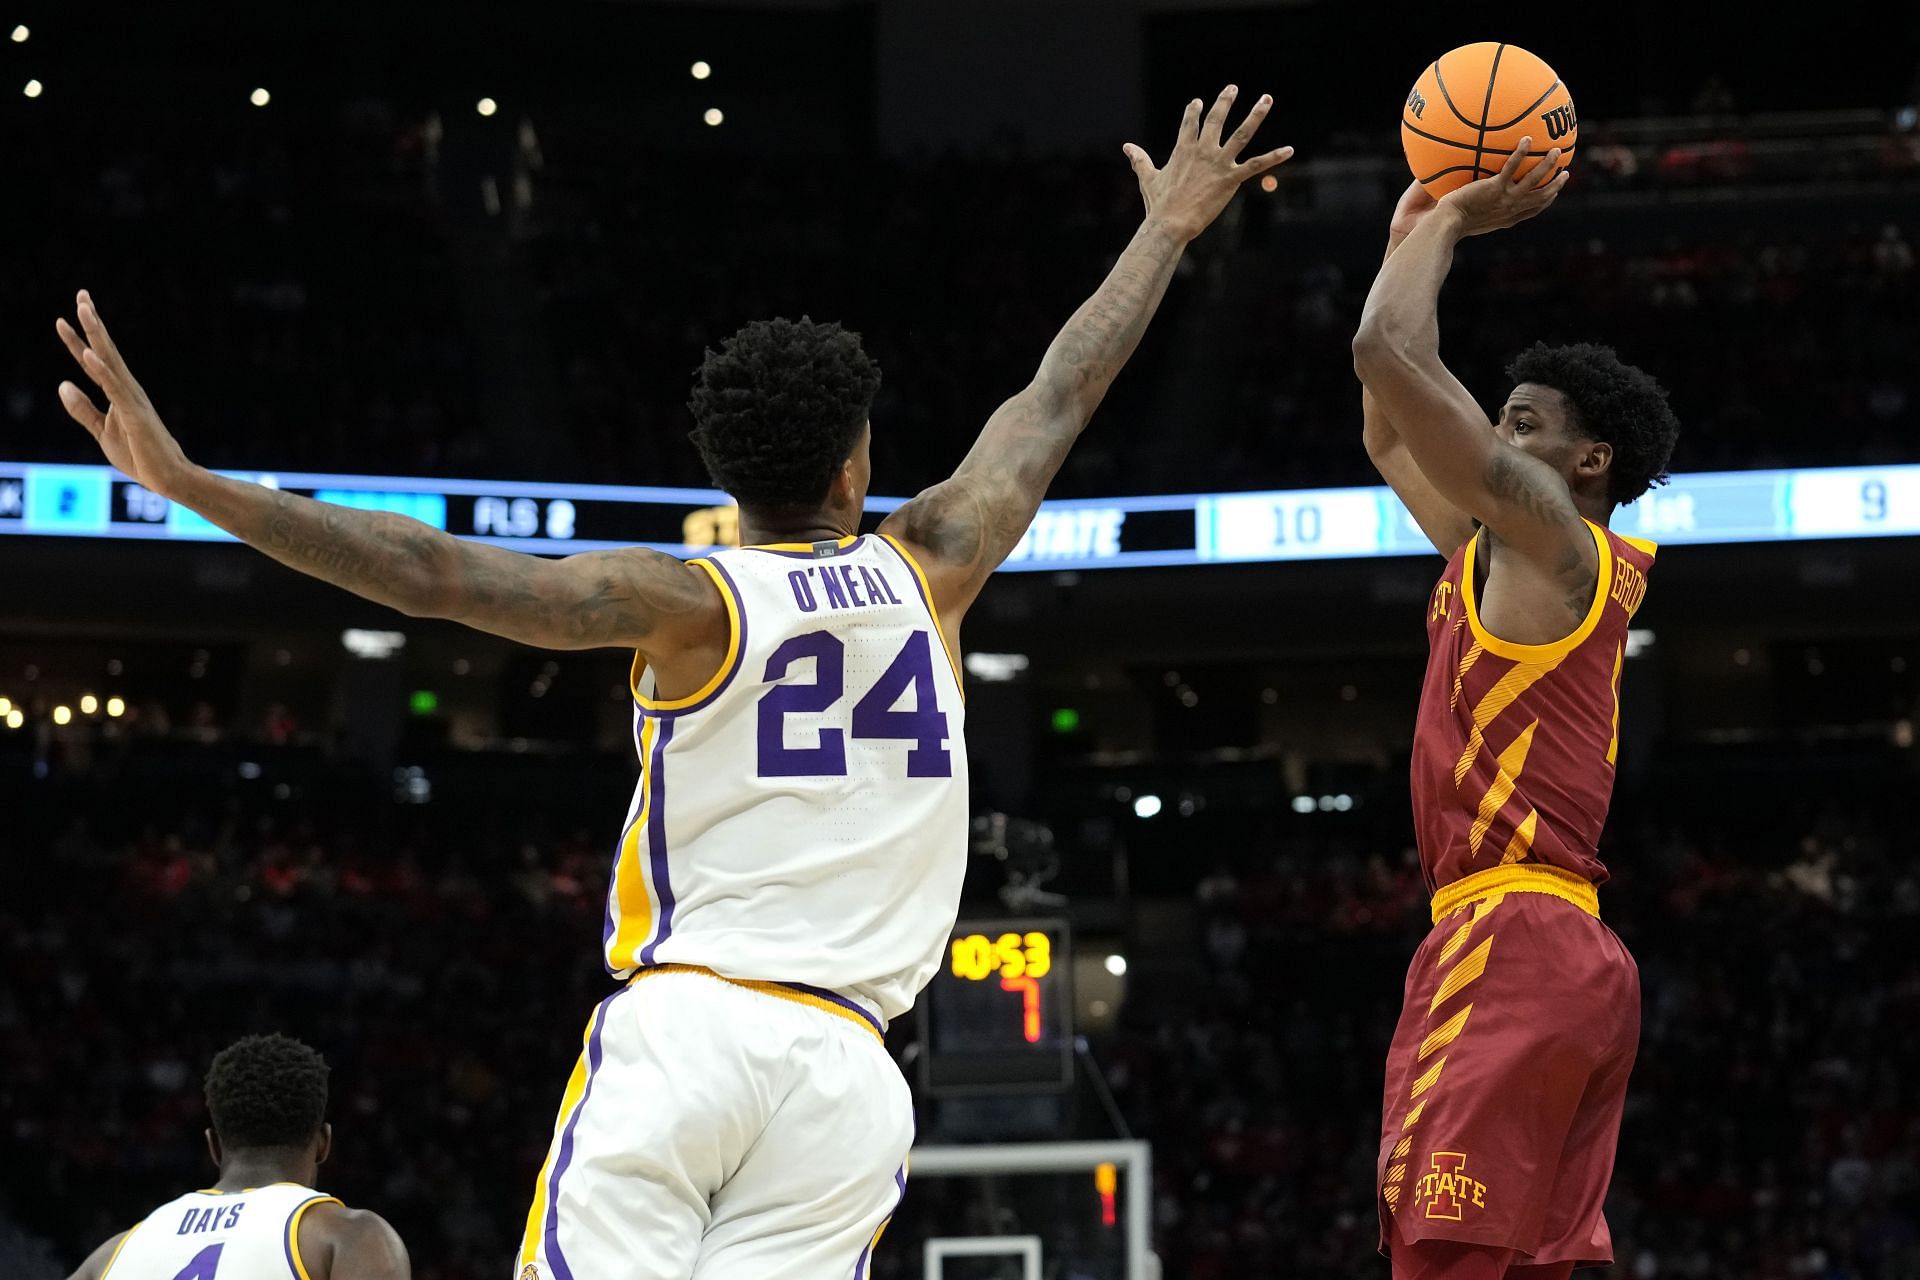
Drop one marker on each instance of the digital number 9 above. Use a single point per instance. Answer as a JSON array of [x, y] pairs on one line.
[[1873, 500]]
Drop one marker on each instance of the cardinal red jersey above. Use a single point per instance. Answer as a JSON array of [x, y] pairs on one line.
[[1513, 751]]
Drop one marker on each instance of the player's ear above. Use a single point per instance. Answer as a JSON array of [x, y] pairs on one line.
[[1595, 459], [323, 1145], [213, 1147]]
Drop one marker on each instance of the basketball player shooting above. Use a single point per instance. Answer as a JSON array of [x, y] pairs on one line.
[[791, 863], [267, 1096], [1508, 1070]]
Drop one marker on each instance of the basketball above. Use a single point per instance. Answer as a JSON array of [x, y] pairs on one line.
[[1470, 108]]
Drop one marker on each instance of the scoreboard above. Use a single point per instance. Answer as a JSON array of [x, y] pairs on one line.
[[998, 1015], [1071, 534]]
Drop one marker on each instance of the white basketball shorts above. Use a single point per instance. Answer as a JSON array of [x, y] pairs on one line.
[[719, 1130]]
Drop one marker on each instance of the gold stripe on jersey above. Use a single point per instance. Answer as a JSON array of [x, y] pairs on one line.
[[1444, 1034], [726, 667], [1558, 649], [1459, 677], [926, 590], [1508, 767], [1505, 692], [630, 872], [1522, 843], [1613, 745], [293, 1233]]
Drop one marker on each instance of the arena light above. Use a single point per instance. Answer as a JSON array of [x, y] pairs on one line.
[[715, 117], [259, 97], [1146, 806], [89, 704], [6, 707], [1117, 965], [34, 89], [63, 714], [372, 644], [996, 668], [1303, 804], [1269, 183], [486, 106], [15, 719], [701, 70], [116, 707], [20, 34]]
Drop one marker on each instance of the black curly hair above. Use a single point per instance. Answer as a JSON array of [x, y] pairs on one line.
[[1612, 401], [779, 407], [267, 1091]]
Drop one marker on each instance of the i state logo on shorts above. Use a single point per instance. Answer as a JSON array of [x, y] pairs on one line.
[[1448, 1190]]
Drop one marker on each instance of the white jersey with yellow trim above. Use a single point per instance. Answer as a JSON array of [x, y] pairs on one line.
[[213, 1235], [802, 820]]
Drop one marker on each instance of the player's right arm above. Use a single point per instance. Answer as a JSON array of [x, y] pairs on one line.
[[632, 598], [338, 1243], [964, 527], [1397, 355], [1444, 523], [96, 1264]]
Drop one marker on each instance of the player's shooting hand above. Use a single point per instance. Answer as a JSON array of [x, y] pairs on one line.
[[1510, 196], [130, 432], [1203, 172], [1415, 203]]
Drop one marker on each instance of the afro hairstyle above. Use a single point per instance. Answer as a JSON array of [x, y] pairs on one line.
[[778, 409], [267, 1091], [1612, 401]]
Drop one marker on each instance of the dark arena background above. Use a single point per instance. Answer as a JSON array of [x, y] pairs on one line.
[[459, 260]]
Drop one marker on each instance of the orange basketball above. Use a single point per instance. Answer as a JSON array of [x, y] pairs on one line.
[[1469, 110]]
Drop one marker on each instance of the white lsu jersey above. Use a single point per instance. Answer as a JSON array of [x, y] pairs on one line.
[[802, 820], [220, 1235]]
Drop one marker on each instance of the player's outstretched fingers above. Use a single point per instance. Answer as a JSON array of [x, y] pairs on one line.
[[1217, 114], [1511, 169], [80, 408], [1140, 161], [1189, 122], [71, 340], [1244, 134], [1262, 163], [1549, 169]]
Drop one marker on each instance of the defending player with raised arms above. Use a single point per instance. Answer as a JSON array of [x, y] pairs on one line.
[[1508, 1070], [790, 866], [267, 1096]]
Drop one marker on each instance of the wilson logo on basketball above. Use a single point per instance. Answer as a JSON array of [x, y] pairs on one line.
[[1448, 1190], [1416, 104], [1560, 122]]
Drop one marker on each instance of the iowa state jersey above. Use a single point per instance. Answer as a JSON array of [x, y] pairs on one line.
[[1514, 748], [211, 1235], [803, 818]]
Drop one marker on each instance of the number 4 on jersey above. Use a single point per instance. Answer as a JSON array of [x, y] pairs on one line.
[[874, 716], [204, 1264]]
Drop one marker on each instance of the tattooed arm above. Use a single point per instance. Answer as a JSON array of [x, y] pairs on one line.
[[964, 527], [628, 599], [1397, 355]]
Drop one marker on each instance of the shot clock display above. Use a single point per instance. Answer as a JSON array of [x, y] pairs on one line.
[[998, 1016]]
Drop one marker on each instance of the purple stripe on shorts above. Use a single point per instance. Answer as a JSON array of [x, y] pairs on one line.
[[834, 997], [900, 1181], [657, 837], [561, 1271]]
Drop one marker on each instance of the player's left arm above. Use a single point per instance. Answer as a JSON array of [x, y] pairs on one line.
[[338, 1243], [1397, 355], [96, 1264], [964, 527]]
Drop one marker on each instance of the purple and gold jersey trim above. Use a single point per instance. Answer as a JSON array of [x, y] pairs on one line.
[[797, 993], [642, 885], [295, 1262], [933, 610], [729, 667], [807, 550]]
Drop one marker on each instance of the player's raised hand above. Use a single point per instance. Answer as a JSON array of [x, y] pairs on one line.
[[1415, 203], [1510, 196], [130, 432], [1203, 172]]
